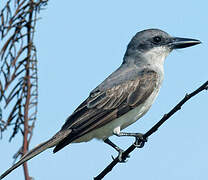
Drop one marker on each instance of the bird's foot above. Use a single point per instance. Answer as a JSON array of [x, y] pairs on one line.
[[120, 156], [140, 140]]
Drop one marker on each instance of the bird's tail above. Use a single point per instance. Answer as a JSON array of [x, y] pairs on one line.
[[37, 150]]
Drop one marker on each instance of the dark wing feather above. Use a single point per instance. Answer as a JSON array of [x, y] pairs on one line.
[[104, 106]]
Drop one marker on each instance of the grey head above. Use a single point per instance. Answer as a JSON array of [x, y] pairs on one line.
[[152, 44]]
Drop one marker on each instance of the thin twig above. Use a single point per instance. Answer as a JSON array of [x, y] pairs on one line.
[[126, 153], [28, 95]]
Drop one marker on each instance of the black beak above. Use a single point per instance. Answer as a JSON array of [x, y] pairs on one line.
[[177, 43]]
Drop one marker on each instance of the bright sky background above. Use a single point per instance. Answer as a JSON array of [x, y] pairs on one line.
[[79, 44]]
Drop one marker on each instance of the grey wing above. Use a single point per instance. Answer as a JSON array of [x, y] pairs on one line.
[[101, 107]]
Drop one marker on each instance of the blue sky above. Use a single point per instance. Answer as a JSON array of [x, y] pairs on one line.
[[79, 44]]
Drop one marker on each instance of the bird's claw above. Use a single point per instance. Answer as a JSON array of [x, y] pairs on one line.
[[140, 140], [120, 157]]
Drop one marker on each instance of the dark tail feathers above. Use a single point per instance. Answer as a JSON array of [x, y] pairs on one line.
[[38, 149]]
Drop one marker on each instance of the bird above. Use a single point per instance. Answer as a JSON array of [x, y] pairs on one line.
[[121, 99]]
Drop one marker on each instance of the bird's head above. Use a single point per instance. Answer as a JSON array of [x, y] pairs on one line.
[[154, 45]]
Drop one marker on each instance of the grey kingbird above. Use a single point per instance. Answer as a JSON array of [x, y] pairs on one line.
[[122, 98]]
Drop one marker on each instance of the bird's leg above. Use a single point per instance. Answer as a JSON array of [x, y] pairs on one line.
[[109, 142], [120, 151], [140, 140]]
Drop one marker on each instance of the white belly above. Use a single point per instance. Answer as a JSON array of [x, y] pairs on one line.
[[122, 122]]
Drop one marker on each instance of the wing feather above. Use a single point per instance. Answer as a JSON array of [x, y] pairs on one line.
[[103, 106]]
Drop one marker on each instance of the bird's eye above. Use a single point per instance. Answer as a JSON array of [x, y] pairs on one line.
[[157, 39]]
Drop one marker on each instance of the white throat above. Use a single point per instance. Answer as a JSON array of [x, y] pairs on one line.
[[157, 55]]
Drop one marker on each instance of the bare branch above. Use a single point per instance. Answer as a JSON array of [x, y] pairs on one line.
[[131, 148]]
